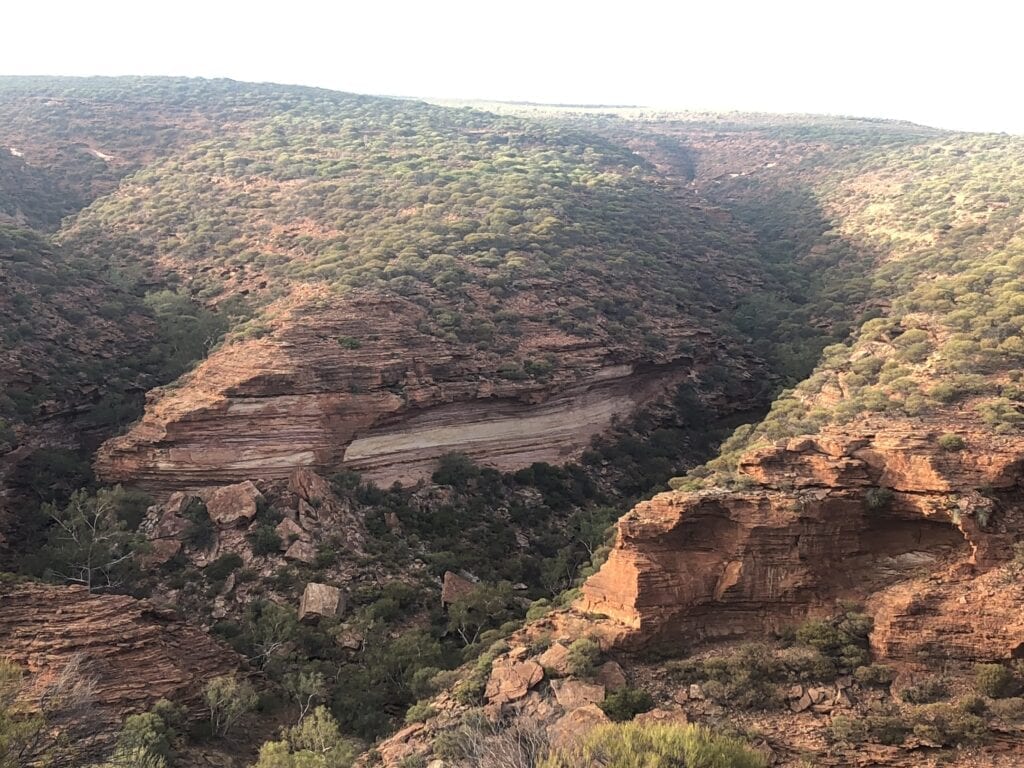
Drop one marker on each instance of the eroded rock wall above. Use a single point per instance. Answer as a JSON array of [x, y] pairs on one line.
[[841, 515], [136, 653], [358, 385]]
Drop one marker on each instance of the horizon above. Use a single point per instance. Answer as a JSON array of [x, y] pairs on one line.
[[911, 63]]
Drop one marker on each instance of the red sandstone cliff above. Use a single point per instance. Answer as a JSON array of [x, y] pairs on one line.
[[355, 383], [136, 653], [817, 527]]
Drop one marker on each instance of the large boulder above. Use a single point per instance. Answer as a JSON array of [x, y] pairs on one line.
[[455, 587], [573, 726], [555, 660], [511, 680], [573, 694], [320, 601], [232, 505], [611, 676]]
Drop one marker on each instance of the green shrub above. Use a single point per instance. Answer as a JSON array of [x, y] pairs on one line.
[[200, 532], [1010, 709], [948, 724], [995, 681], [951, 443], [926, 691], [456, 470], [876, 675], [264, 540], [843, 639], [583, 656], [222, 567], [877, 499], [538, 609], [626, 703], [643, 745], [419, 712]]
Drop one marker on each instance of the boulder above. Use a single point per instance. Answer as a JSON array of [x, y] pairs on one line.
[[454, 587], [288, 530], [802, 704], [232, 505], [309, 486], [300, 551], [555, 660], [573, 694], [512, 680], [611, 676], [320, 601], [572, 726]]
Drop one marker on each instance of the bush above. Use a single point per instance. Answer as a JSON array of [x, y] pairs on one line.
[[925, 692], [583, 655], [1011, 710], [843, 638], [948, 724], [877, 675], [200, 532], [626, 703], [222, 567], [877, 499], [264, 540], [228, 699], [642, 745], [951, 443], [419, 712], [995, 681], [456, 470]]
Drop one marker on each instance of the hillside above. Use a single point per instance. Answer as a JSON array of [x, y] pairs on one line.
[[403, 364], [866, 532]]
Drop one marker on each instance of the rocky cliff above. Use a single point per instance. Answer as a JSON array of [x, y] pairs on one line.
[[137, 653], [358, 385], [844, 514]]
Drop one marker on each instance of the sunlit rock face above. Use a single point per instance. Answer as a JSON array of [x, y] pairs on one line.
[[358, 386], [816, 528]]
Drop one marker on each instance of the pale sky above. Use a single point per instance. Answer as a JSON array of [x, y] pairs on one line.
[[948, 64]]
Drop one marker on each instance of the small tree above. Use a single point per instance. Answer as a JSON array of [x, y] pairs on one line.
[[315, 743], [88, 543], [307, 689], [479, 608], [228, 699], [272, 628]]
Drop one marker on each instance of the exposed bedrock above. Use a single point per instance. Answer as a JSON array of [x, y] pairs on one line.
[[718, 564], [357, 385], [136, 653]]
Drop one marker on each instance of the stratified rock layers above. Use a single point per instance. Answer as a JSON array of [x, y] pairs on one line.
[[357, 385], [836, 515], [136, 653]]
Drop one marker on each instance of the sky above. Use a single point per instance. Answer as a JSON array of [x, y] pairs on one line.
[[952, 64]]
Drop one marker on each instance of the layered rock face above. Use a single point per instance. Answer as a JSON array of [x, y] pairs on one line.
[[842, 514], [136, 653], [357, 385]]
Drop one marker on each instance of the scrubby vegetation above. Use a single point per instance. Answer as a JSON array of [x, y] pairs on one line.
[[853, 268], [632, 745]]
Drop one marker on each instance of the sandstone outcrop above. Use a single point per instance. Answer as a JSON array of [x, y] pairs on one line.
[[136, 653], [320, 601], [841, 514], [232, 505], [511, 680], [389, 401], [573, 694], [454, 587]]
